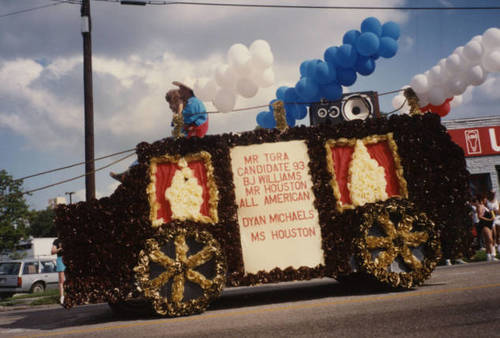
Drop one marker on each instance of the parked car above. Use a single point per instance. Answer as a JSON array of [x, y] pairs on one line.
[[27, 276]]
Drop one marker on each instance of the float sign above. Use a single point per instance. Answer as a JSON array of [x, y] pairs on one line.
[[278, 222]]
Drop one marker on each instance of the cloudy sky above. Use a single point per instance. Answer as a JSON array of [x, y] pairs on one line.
[[139, 50]]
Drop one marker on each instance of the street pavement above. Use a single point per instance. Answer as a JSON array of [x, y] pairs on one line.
[[458, 301]]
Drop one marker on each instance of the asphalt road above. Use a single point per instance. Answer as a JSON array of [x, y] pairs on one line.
[[458, 301]]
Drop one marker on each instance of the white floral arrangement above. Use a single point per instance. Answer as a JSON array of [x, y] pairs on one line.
[[367, 178], [185, 194]]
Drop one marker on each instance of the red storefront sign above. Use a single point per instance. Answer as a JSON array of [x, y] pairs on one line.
[[478, 141]]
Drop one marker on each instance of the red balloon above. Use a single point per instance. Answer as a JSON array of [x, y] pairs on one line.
[[425, 108], [449, 99], [443, 109]]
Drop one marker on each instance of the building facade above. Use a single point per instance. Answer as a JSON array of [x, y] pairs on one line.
[[480, 140]]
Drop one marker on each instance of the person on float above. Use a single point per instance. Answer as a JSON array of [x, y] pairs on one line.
[[181, 101], [492, 204], [486, 219], [194, 113]]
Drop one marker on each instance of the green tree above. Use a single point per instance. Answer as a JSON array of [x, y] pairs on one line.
[[14, 213], [42, 223]]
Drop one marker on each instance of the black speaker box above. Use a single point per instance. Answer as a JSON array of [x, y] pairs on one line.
[[352, 106]]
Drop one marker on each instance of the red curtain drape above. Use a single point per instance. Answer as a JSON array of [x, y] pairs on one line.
[[383, 155], [342, 156], [164, 175]]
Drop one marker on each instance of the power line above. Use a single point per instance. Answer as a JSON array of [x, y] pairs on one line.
[[73, 165], [33, 9], [254, 5], [77, 177]]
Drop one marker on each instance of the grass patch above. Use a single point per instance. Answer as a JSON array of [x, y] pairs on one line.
[[46, 293], [47, 297], [46, 300]]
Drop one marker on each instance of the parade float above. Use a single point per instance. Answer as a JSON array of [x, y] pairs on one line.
[[366, 197]]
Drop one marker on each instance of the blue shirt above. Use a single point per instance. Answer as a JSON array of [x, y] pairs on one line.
[[194, 112]]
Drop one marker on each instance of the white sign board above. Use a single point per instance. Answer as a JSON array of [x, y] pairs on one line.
[[278, 223]]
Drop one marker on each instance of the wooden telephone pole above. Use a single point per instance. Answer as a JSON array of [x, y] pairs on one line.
[[89, 101]]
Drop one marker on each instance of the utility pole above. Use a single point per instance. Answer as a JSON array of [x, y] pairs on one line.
[[89, 101], [70, 193]]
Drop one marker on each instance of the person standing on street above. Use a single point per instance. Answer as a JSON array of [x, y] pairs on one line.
[[60, 267], [486, 219]]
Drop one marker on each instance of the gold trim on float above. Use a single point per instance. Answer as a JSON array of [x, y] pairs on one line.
[[351, 142], [213, 192]]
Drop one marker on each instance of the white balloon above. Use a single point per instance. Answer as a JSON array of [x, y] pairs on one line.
[[491, 38], [476, 75], [453, 65], [224, 100], [264, 78], [436, 75], [205, 89], [246, 87], [399, 102], [262, 58], [457, 101], [447, 92], [436, 96], [225, 76], [457, 86], [478, 38], [259, 44], [419, 83], [473, 51], [491, 61], [240, 58], [198, 88]]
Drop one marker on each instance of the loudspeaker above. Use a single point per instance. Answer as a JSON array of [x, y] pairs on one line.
[[352, 106]]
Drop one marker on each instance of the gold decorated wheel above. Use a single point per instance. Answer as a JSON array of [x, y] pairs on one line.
[[181, 271], [397, 245]]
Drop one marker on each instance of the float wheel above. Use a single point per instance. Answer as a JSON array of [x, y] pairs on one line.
[[397, 246], [181, 271]]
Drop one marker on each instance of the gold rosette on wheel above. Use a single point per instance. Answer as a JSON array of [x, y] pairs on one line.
[[181, 271], [397, 245]]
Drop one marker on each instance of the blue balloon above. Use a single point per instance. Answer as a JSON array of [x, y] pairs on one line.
[[330, 55], [365, 65], [346, 76], [307, 89], [346, 56], [391, 30], [351, 36], [303, 68], [290, 119], [269, 120], [311, 68], [280, 92], [331, 91], [264, 119], [324, 73], [300, 112], [291, 108], [375, 56], [291, 96], [388, 47], [367, 44], [371, 25]]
